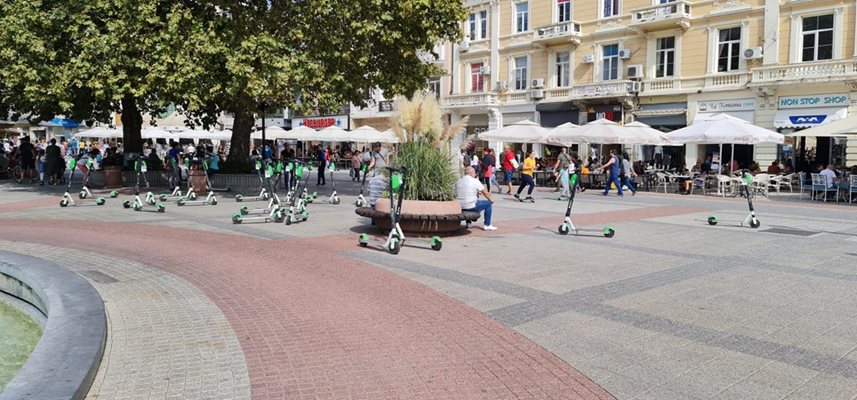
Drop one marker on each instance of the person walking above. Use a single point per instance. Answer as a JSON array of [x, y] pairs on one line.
[[174, 162], [379, 159], [356, 163], [629, 174], [467, 190], [53, 162], [26, 155], [615, 165], [562, 159], [488, 162], [510, 164], [527, 176], [322, 163]]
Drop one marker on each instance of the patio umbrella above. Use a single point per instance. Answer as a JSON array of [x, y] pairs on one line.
[[271, 133], [601, 131], [368, 134], [647, 135], [99, 133], [330, 134], [525, 131], [842, 127], [156, 133]]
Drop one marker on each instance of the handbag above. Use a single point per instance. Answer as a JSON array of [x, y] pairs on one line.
[[514, 163]]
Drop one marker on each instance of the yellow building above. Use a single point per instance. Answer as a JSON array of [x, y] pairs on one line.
[[782, 64]]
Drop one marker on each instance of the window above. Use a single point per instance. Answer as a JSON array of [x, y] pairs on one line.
[[729, 49], [434, 86], [610, 57], [522, 17], [818, 38], [477, 25], [563, 69], [477, 80], [610, 8], [520, 73], [563, 10], [665, 1], [665, 57]]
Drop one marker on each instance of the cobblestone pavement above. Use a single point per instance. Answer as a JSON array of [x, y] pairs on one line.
[[669, 308]]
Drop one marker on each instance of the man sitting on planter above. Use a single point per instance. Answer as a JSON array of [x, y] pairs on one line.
[[467, 190]]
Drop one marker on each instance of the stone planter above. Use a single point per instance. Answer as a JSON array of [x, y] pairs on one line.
[[418, 216], [197, 180], [112, 176]]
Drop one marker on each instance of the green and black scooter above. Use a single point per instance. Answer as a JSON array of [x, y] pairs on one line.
[[751, 220], [67, 199], [150, 204], [568, 226], [273, 199], [210, 199], [298, 200], [263, 189], [396, 238], [177, 191], [361, 201], [273, 213], [334, 198]]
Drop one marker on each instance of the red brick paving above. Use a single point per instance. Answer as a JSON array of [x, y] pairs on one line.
[[313, 324]]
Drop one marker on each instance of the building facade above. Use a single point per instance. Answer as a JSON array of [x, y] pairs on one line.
[[782, 64]]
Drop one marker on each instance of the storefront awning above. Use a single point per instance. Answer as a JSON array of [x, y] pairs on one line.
[[808, 117], [745, 115], [660, 113]]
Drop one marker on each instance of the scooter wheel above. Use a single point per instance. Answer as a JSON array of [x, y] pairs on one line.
[[359, 203], [161, 208], [163, 197], [266, 196], [754, 223], [180, 202], [278, 217], [394, 246], [244, 210], [363, 240], [335, 200], [239, 198], [213, 201], [192, 196], [114, 194], [137, 208], [63, 203], [609, 232], [436, 243], [100, 201], [563, 229], [288, 219], [712, 220], [236, 219], [82, 195], [126, 204]]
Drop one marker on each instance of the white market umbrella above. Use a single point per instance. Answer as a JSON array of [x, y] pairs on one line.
[[156, 133], [368, 134], [723, 128], [647, 135], [271, 133], [99, 133], [525, 131], [842, 127], [300, 133], [601, 131], [330, 134]]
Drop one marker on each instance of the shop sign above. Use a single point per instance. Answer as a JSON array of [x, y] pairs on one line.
[[720, 106], [821, 100], [319, 123]]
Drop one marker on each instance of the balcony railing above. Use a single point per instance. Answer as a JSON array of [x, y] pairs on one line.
[[661, 85], [605, 89], [806, 72], [515, 97], [662, 16], [563, 32], [727, 80], [473, 99]]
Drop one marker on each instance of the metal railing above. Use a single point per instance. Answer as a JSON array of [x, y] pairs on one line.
[[660, 12], [796, 72]]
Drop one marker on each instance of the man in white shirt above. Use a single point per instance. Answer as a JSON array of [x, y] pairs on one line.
[[829, 177], [467, 189]]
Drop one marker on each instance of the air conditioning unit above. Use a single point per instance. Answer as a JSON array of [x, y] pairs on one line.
[[588, 59], [485, 70], [538, 83], [463, 46], [537, 94], [635, 71], [624, 54], [753, 53], [502, 86]]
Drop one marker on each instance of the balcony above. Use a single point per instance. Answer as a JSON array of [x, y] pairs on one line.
[[727, 81], [470, 100], [816, 72], [557, 34], [605, 89], [662, 16], [661, 86]]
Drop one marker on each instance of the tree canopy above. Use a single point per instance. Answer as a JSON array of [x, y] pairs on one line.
[[89, 58]]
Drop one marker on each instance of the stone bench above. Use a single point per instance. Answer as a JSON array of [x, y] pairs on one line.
[[420, 223]]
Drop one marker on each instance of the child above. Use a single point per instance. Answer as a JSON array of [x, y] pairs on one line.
[[40, 166], [564, 174]]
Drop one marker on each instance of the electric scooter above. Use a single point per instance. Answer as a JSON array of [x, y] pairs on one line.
[[210, 199], [751, 219], [396, 238], [263, 193], [274, 213], [274, 200], [138, 204], [297, 205], [177, 191], [84, 190], [334, 199], [361, 201], [568, 226]]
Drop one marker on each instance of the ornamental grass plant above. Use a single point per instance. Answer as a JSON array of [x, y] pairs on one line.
[[425, 147]]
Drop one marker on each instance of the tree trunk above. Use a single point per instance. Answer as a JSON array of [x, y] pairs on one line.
[[239, 146], [132, 123]]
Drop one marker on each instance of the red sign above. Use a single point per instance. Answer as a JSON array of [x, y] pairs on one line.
[[318, 123]]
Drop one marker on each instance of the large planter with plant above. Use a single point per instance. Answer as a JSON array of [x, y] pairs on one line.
[[430, 206], [112, 167]]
